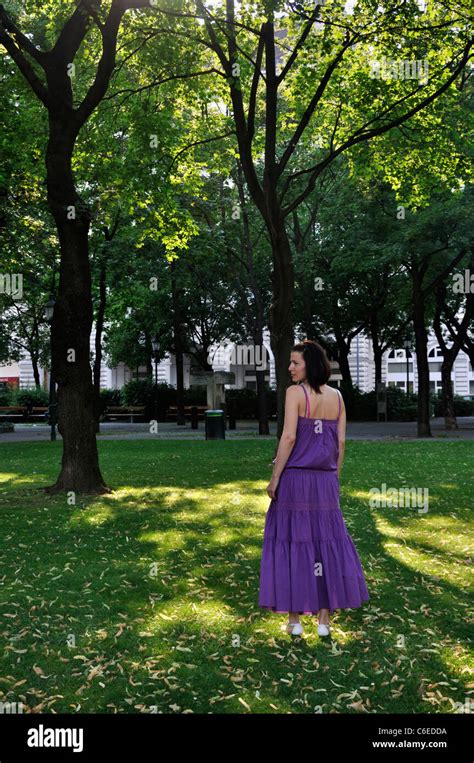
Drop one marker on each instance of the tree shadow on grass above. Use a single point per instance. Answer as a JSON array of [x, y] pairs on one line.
[[207, 553]]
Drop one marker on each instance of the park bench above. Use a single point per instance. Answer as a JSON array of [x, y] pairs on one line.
[[38, 413], [122, 412], [173, 412], [13, 412]]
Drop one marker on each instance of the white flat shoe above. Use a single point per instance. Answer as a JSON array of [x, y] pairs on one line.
[[323, 630], [294, 629]]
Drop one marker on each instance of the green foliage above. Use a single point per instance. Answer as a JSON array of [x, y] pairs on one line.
[[31, 397], [247, 402], [6, 394], [402, 407], [462, 407], [138, 392], [110, 397]]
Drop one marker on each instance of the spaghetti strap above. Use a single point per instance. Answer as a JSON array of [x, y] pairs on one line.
[[307, 401]]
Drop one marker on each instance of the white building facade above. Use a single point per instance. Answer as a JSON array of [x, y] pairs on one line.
[[240, 359]]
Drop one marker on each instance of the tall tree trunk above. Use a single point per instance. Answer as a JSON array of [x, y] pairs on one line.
[[421, 344], [72, 322], [99, 327], [458, 332], [36, 373], [178, 346], [148, 356], [280, 317], [450, 420], [258, 321]]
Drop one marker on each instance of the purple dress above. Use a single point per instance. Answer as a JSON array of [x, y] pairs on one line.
[[309, 561]]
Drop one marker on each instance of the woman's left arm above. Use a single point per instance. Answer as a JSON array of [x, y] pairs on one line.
[[287, 439]]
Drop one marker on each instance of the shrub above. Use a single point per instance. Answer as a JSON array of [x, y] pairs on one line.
[[246, 402], [109, 397], [462, 407], [32, 397], [6, 426], [195, 395], [6, 396]]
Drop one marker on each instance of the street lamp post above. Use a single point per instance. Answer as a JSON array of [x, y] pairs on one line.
[[407, 345], [155, 346], [48, 314]]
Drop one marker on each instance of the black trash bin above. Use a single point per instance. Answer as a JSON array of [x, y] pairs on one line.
[[215, 425]]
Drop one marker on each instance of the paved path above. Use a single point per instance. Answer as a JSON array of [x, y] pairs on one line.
[[246, 430]]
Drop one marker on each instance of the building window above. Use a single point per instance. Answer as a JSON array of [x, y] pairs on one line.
[[400, 368], [393, 354]]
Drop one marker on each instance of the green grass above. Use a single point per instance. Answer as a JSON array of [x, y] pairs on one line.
[[156, 585]]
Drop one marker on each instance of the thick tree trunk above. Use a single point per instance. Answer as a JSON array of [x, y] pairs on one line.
[[377, 363], [258, 322], [99, 327], [36, 373], [280, 317], [149, 358], [72, 323], [376, 347], [178, 346], [447, 393], [421, 343], [343, 361], [458, 333]]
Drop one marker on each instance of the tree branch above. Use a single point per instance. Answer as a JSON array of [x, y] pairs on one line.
[[22, 63], [312, 105], [21, 39], [198, 143], [299, 44], [106, 64], [353, 140]]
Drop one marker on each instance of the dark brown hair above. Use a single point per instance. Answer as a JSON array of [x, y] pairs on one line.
[[318, 368]]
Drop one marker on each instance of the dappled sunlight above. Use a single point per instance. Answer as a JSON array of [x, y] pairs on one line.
[[9, 476], [212, 614], [95, 514], [425, 562], [16, 479], [362, 495], [159, 584], [446, 535], [456, 658]]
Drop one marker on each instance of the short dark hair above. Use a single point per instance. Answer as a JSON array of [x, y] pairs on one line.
[[318, 368]]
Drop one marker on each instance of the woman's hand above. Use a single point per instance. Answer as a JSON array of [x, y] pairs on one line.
[[272, 487]]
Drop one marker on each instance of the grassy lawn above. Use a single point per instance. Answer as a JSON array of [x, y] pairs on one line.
[[145, 600]]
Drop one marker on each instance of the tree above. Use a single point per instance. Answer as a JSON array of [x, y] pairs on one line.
[[331, 85], [49, 74]]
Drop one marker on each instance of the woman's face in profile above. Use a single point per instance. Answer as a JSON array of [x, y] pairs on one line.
[[297, 367]]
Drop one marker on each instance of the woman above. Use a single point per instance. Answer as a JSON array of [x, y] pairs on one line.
[[309, 562]]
